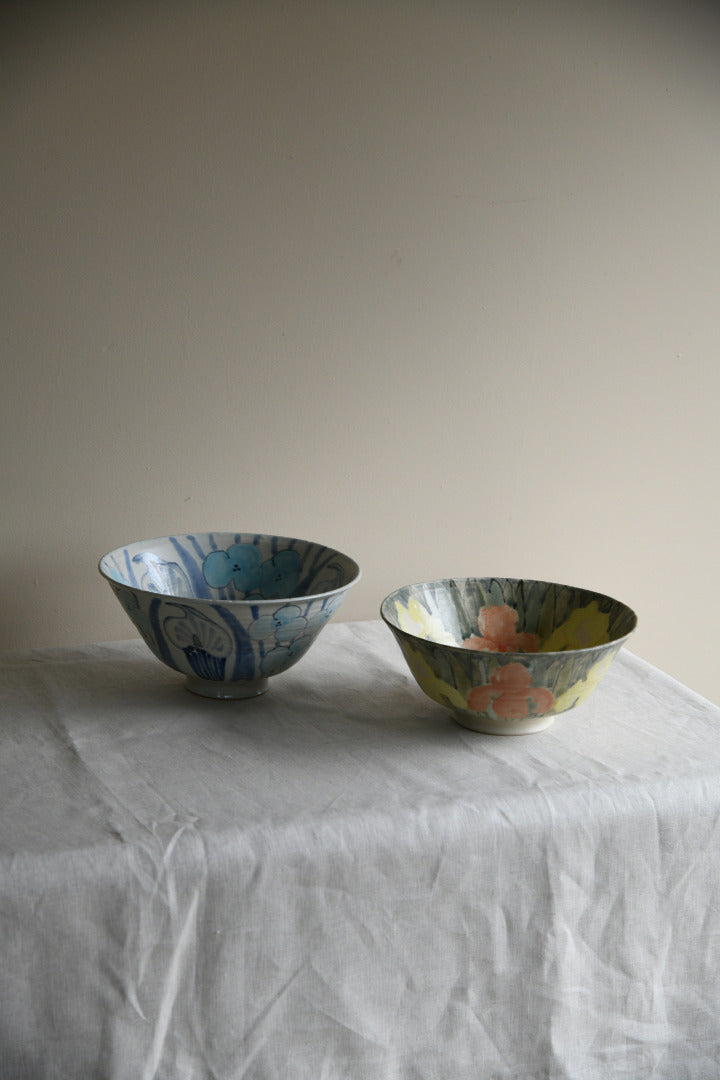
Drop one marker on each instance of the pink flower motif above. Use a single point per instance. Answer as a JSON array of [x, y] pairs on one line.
[[498, 633], [511, 695]]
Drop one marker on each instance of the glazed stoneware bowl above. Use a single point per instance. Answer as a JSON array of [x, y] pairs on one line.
[[506, 655], [229, 610]]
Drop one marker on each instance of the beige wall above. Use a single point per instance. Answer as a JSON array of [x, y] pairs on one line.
[[436, 283]]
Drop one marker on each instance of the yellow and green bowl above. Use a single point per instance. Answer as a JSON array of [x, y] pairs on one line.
[[506, 655]]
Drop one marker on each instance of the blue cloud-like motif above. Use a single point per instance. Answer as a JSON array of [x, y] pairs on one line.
[[280, 575], [240, 564], [283, 624]]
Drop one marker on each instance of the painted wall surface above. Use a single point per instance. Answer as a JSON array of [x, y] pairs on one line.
[[436, 283]]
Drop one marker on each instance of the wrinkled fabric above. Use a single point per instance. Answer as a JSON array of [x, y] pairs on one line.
[[335, 881]]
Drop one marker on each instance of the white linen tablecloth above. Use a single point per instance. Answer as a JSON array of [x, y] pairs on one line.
[[335, 881]]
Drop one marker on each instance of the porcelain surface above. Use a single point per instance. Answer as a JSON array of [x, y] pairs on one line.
[[506, 655], [229, 610]]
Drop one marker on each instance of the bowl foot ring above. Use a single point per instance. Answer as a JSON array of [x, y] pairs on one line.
[[488, 726], [241, 688]]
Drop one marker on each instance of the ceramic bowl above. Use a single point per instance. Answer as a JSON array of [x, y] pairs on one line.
[[229, 610], [506, 655]]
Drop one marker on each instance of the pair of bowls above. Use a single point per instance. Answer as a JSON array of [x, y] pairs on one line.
[[230, 610]]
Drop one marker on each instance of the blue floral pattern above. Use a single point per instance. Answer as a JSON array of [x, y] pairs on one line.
[[239, 565], [283, 656], [280, 575], [282, 624]]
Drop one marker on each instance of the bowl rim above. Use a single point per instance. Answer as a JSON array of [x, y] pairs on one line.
[[509, 655], [219, 602]]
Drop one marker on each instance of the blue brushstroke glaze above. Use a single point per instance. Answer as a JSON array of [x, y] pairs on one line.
[[154, 617], [194, 572], [130, 569], [244, 657]]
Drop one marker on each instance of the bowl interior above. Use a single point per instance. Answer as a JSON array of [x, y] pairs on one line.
[[508, 615], [230, 566]]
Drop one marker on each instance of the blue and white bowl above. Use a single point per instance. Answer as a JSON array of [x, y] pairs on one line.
[[229, 610]]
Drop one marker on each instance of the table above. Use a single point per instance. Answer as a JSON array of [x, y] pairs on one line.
[[336, 882]]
